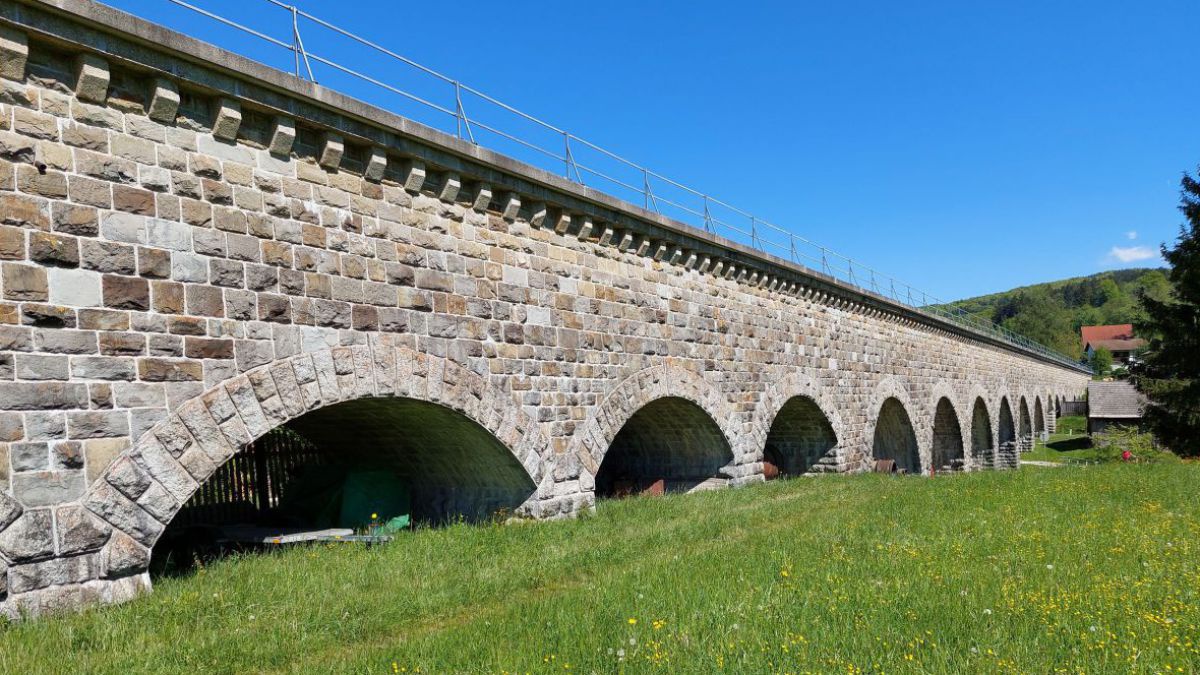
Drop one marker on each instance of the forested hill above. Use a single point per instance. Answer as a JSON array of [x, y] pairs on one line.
[[1052, 313]]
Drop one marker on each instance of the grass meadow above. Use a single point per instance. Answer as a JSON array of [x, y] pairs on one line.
[[1092, 569]]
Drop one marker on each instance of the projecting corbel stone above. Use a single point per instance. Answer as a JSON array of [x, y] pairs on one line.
[[626, 241], [562, 222], [227, 118], [660, 251], [537, 214], [705, 263], [413, 174], [91, 78], [332, 149], [585, 229], [511, 206], [482, 197], [14, 53], [606, 235], [690, 261], [731, 271], [164, 100], [676, 255], [643, 245], [717, 267], [283, 136], [451, 184], [376, 165]]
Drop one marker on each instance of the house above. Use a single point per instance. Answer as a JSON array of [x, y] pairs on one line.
[[1113, 403], [1118, 339]]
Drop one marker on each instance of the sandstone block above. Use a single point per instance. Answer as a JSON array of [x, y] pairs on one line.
[[164, 100], [126, 292], [74, 287], [91, 78]]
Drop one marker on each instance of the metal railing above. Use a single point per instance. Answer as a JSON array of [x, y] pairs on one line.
[[558, 150]]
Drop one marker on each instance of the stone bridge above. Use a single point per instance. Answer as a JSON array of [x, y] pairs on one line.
[[197, 249]]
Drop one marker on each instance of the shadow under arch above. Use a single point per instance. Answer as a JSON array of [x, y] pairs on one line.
[[464, 446], [669, 445], [1006, 436], [894, 437], [800, 437], [948, 453], [1039, 418], [1024, 426], [982, 448]]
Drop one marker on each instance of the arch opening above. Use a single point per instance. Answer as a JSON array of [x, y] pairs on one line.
[[370, 465], [1024, 427], [669, 445], [982, 448], [800, 437], [1039, 419], [948, 452], [895, 439], [1007, 436]]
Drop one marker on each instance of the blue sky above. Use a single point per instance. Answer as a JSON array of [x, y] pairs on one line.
[[965, 148]]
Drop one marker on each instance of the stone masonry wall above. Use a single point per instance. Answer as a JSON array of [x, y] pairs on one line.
[[189, 258]]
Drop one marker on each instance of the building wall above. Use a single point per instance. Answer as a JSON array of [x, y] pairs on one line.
[[187, 261]]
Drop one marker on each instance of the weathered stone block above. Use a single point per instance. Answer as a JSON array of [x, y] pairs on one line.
[[29, 537], [53, 249], [91, 78], [14, 52], [126, 292], [24, 282], [97, 424], [41, 367], [164, 100], [166, 370], [47, 488], [227, 118]]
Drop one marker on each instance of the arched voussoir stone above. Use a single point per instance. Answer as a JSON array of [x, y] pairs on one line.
[[593, 438], [779, 392], [145, 486]]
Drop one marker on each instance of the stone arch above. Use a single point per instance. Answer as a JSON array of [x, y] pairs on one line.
[[1039, 418], [799, 399], [1024, 425], [1006, 435], [947, 452], [596, 435], [892, 430], [143, 489], [983, 446]]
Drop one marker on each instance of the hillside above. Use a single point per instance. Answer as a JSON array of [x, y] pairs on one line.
[[1052, 312]]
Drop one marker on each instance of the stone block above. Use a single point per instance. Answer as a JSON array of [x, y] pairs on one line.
[[24, 282], [29, 456], [227, 118], [376, 166], [103, 368], [29, 537], [50, 184], [47, 488], [74, 219], [53, 249], [14, 52], [97, 424], [126, 292], [332, 149], [283, 135], [91, 78], [163, 100], [166, 370], [74, 287], [41, 367], [413, 175]]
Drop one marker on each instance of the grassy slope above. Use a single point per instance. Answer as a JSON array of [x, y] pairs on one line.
[[1069, 443], [1090, 569]]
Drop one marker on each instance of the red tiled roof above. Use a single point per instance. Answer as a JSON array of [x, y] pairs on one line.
[[1093, 335]]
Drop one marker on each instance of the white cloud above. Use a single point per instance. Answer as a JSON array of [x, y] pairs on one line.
[[1132, 234], [1128, 254]]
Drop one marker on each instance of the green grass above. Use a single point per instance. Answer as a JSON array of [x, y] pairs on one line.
[[1087, 569], [1069, 443]]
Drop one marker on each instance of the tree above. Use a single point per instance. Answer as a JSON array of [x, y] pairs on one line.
[[1169, 371], [1101, 362]]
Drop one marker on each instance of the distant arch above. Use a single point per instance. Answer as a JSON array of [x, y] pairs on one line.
[[1006, 436], [1024, 426], [983, 450], [894, 438]]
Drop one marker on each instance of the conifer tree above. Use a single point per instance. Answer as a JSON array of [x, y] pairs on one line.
[[1169, 371]]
